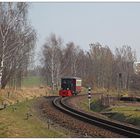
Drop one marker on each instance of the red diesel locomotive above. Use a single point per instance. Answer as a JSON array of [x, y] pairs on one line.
[[70, 86]]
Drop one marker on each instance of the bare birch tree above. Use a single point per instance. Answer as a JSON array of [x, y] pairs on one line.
[[16, 38], [51, 54]]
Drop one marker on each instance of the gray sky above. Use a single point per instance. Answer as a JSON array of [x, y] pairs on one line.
[[112, 24]]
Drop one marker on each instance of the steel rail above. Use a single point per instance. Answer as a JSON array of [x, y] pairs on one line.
[[131, 132]]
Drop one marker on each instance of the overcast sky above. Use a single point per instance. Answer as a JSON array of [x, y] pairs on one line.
[[112, 24]]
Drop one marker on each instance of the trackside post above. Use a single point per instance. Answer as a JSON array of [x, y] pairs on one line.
[[89, 96]]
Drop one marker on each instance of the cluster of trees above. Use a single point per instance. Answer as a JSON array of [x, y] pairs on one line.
[[98, 67], [17, 41]]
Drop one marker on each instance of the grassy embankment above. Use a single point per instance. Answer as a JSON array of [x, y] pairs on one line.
[[128, 114], [121, 111], [13, 123]]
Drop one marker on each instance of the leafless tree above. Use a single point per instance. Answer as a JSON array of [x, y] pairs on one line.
[[51, 56], [101, 61], [17, 39], [125, 58], [73, 52]]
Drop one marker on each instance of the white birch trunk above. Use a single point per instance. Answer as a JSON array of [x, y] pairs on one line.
[[52, 69], [2, 57]]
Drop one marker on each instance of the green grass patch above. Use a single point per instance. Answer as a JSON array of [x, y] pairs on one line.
[[129, 114], [84, 104], [97, 106], [31, 81], [13, 123], [94, 105]]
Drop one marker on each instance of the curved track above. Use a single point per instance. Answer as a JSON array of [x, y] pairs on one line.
[[131, 132]]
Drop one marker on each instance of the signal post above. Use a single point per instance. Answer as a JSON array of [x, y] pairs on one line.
[[89, 96]]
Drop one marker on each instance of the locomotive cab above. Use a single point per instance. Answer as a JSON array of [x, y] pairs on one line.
[[70, 86]]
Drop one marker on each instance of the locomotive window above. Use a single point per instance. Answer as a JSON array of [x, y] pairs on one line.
[[67, 84], [73, 81], [64, 84]]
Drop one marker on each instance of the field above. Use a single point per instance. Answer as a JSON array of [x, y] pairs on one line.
[[32, 81]]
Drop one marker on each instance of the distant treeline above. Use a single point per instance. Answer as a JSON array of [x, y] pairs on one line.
[[99, 67]]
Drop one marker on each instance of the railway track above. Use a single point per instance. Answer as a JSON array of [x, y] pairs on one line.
[[127, 131]]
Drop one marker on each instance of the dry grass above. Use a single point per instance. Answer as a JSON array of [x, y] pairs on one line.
[[11, 96]]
